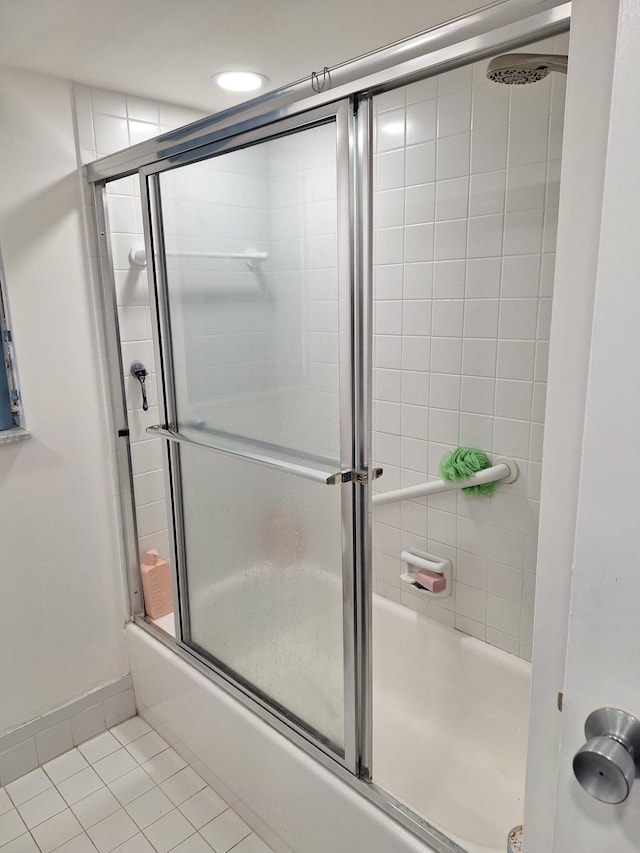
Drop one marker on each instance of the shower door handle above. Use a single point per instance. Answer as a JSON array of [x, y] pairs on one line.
[[327, 478]]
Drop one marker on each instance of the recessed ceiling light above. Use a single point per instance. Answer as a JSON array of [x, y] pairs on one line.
[[240, 81]]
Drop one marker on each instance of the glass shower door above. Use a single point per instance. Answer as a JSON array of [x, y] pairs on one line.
[[255, 298]]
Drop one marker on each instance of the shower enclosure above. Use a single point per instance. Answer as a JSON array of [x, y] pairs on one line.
[[258, 248]]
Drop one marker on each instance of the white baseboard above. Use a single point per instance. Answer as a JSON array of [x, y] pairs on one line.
[[24, 748]]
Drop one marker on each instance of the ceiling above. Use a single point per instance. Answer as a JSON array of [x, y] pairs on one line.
[[168, 49]]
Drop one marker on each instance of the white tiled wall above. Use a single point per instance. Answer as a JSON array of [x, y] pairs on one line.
[[466, 193], [107, 122]]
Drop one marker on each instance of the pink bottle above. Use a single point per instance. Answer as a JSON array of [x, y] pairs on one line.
[[156, 586]]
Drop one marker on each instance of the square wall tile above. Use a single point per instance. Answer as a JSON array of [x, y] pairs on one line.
[[477, 395], [446, 355], [421, 167], [418, 280], [18, 761], [487, 193], [416, 317], [416, 349], [483, 278], [112, 133], [518, 318], [481, 318], [419, 204], [421, 122], [485, 236], [454, 113], [452, 198], [418, 244], [503, 615], [516, 359], [449, 279], [479, 357], [450, 240], [453, 156], [471, 602], [390, 130], [389, 208], [447, 318], [389, 170], [88, 724]]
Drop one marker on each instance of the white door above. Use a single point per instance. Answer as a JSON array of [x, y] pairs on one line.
[[589, 561]]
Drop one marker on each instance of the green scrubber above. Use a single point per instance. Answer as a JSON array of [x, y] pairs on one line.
[[463, 462]]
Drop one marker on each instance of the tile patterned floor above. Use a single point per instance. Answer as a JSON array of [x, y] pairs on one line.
[[126, 790]]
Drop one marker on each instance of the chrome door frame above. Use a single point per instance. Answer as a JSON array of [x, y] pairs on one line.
[[340, 114], [504, 25]]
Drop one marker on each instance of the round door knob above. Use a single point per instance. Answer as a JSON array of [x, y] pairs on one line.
[[610, 760]]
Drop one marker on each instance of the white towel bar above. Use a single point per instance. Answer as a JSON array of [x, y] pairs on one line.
[[138, 256], [504, 470]]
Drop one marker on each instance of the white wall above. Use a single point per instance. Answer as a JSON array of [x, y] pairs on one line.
[[62, 602]]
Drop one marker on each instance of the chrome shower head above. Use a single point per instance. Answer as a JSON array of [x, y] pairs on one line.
[[517, 69]]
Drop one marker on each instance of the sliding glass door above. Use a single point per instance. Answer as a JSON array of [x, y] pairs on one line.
[[257, 316]]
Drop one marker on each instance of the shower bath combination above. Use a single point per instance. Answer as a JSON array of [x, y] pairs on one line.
[[518, 69], [322, 656]]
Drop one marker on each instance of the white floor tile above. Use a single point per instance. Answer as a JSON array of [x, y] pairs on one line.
[[41, 808], [146, 747], [131, 730], [225, 831], [131, 785], [203, 807], [53, 833], [252, 844], [64, 766], [23, 844], [183, 785], [116, 798], [112, 831], [195, 844], [95, 807], [137, 844], [80, 785], [169, 831], [115, 765], [161, 766], [5, 803], [99, 747], [11, 826], [79, 844], [149, 807], [29, 786]]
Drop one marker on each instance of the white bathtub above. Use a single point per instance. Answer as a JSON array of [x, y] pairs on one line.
[[450, 718], [450, 726]]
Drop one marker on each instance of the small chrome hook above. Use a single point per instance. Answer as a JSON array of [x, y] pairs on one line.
[[140, 372], [317, 84]]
